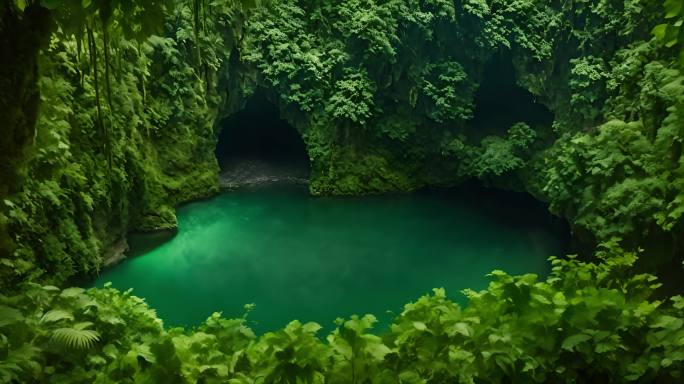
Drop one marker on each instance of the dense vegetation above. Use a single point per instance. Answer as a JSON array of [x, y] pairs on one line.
[[585, 323], [109, 111]]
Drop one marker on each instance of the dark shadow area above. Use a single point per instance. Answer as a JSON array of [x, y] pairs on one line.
[[512, 209], [255, 146], [141, 243], [257, 131], [500, 102], [670, 275]]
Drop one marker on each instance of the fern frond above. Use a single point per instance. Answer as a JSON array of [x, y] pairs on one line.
[[56, 315], [82, 325], [9, 315], [77, 337], [50, 288], [18, 361]]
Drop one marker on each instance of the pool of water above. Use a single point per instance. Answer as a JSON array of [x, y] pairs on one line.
[[316, 259]]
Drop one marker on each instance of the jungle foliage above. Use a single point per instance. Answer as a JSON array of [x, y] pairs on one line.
[[584, 323], [110, 110], [124, 133], [382, 92]]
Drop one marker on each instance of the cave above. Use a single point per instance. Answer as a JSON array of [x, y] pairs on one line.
[[256, 144], [500, 102]]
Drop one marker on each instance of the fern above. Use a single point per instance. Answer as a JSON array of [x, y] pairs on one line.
[[17, 362], [56, 315], [77, 337], [9, 315]]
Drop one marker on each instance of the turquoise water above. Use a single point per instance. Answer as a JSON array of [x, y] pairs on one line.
[[316, 259]]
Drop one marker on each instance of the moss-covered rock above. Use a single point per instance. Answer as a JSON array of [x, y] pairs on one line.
[[351, 172]]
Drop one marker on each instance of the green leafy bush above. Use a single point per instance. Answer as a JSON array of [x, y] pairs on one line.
[[585, 323]]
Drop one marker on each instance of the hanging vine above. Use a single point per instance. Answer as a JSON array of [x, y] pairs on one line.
[[104, 132], [108, 87], [196, 6], [105, 13], [92, 50]]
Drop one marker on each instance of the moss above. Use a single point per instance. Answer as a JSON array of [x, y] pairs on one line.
[[162, 218], [356, 173], [87, 187]]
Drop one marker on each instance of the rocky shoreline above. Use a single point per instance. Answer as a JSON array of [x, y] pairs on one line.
[[115, 254], [254, 172]]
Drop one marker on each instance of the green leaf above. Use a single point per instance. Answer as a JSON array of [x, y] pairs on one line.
[[72, 292], [668, 322], [672, 8], [110, 351], [456, 354], [311, 327], [378, 350], [572, 341], [411, 377], [460, 328], [678, 302], [20, 4], [9, 315], [419, 325], [659, 31], [56, 315]]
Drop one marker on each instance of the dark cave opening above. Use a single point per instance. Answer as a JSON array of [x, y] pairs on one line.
[[500, 102], [256, 145]]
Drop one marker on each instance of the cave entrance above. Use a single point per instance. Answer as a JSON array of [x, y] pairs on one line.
[[500, 102], [255, 146]]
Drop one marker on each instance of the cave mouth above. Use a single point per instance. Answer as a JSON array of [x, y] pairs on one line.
[[255, 145], [500, 102]]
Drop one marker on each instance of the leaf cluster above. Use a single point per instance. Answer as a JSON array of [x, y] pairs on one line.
[[585, 323]]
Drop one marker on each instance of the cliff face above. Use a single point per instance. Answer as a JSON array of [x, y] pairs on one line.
[[20, 41], [387, 97], [124, 132]]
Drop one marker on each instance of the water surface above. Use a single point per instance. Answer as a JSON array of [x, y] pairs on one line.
[[316, 259]]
